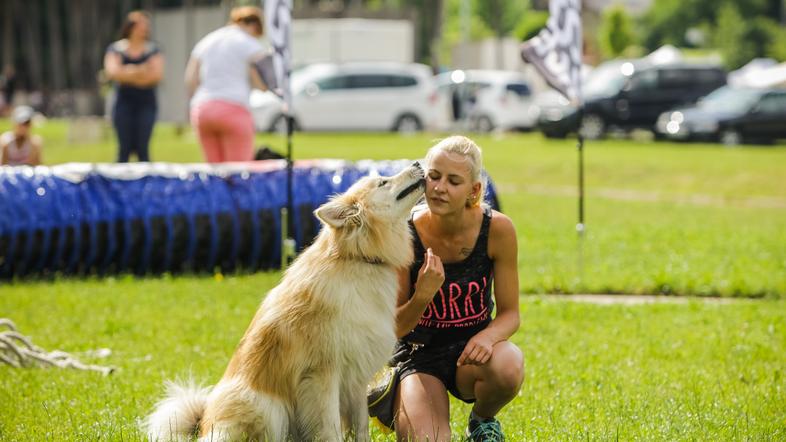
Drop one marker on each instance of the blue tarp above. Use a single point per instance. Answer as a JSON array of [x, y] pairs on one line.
[[149, 218]]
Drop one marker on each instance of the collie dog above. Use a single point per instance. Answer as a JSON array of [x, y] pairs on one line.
[[301, 369]]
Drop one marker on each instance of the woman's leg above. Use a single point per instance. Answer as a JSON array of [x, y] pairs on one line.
[[203, 122], [124, 129], [238, 134], [494, 383], [146, 122], [422, 409]]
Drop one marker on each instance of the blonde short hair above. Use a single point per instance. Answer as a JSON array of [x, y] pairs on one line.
[[467, 148], [248, 15]]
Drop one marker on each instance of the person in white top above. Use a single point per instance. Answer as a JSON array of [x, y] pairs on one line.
[[219, 77], [19, 147]]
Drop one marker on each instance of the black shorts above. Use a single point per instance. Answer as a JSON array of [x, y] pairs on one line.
[[436, 360]]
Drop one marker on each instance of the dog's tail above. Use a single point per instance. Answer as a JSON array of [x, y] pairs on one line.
[[177, 416]]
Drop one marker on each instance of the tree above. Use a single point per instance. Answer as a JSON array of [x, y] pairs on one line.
[[501, 16], [616, 31], [730, 37]]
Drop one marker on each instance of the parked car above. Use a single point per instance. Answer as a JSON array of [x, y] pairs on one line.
[[353, 96], [732, 115], [631, 94], [489, 99]]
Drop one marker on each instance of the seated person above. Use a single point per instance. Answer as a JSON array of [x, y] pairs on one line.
[[19, 146]]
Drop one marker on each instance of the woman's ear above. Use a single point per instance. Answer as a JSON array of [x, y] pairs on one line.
[[475, 190]]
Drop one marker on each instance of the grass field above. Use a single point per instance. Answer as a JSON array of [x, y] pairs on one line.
[[662, 219], [695, 371]]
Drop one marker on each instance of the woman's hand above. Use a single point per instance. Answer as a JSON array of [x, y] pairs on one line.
[[430, 277], [477, 351]]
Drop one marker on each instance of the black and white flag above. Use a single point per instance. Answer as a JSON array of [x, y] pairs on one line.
[[278, 23], [556, 50]]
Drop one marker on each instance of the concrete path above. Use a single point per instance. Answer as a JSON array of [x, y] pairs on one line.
[[639, 299]]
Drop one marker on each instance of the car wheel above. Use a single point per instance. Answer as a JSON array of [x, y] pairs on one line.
[[555, 134], [484, 124], [731, 137], [407, 124], [592, 127]]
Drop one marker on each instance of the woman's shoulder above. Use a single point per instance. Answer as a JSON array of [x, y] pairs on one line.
[[152, 48], [118, 46], [6, 138], [501, 225]]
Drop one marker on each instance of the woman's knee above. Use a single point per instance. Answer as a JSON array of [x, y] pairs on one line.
[[508, 367]]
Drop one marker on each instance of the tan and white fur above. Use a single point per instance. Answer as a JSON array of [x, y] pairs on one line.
[[301, 369]]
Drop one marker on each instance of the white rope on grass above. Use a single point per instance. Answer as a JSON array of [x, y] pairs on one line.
[[18, 351]]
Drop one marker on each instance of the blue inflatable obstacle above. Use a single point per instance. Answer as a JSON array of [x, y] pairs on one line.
[[150, 218]]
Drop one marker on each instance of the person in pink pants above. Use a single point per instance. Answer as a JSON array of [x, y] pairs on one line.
[[219, 77], [225, 130]]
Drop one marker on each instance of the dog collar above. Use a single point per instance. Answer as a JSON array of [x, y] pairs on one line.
[[371, 260]]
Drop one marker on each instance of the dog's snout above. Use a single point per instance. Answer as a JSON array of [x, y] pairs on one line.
[[416, 165]]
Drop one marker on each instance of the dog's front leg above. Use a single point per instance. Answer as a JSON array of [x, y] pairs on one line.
[[317, 411], [355, 412]]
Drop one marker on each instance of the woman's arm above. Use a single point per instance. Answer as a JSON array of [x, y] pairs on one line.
[[38, 146], [140, 75], [4, 153], [430, 278], [253, 73], [152, 71], [115, 71], [503, 250], [192, 76]]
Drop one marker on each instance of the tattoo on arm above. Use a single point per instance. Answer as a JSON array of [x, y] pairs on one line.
[[465, 251]]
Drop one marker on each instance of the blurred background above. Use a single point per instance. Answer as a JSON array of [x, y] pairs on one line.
[[458, 61]]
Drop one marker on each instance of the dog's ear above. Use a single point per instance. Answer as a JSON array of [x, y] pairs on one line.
[[337, 213]]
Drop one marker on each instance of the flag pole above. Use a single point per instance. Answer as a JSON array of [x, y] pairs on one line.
[[288, 244], [580, 148], [278, 19], [580, 227]]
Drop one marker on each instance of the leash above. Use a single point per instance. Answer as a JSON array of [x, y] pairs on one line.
[[18, 351]]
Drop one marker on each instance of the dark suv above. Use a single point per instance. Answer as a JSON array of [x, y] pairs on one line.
[[632, 94]]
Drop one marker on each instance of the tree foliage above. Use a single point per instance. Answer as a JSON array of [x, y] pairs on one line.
[[501, 16], [616, 31], [530, 24]]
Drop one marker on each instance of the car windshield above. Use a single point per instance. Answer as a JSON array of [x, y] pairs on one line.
[[730, 99], [605, 80], [304, 76]]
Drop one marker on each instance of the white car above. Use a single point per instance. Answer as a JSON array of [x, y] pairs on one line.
[[489, 99], [353, 96]]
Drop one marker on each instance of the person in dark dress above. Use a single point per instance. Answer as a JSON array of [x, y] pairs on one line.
[[136, 65]]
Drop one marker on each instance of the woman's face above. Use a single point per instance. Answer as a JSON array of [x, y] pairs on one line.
[[449, 182], [141, 28], [22, 130]]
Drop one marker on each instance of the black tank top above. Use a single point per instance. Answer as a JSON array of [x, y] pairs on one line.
[[463, 305]]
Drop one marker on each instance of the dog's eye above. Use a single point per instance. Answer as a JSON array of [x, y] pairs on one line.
[[382, 183]]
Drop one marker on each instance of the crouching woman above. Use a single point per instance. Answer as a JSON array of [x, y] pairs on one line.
[[448, 340]]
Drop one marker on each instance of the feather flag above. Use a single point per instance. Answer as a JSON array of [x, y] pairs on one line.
[[556, 50], [278, 23]]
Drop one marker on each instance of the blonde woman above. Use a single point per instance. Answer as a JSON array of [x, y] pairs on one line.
[[448, 340], [219, 77]]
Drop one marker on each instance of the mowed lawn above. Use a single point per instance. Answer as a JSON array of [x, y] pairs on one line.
[[662, 218], [700, 370]]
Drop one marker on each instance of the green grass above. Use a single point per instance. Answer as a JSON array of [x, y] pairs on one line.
[[693, 371], [662, 218]]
